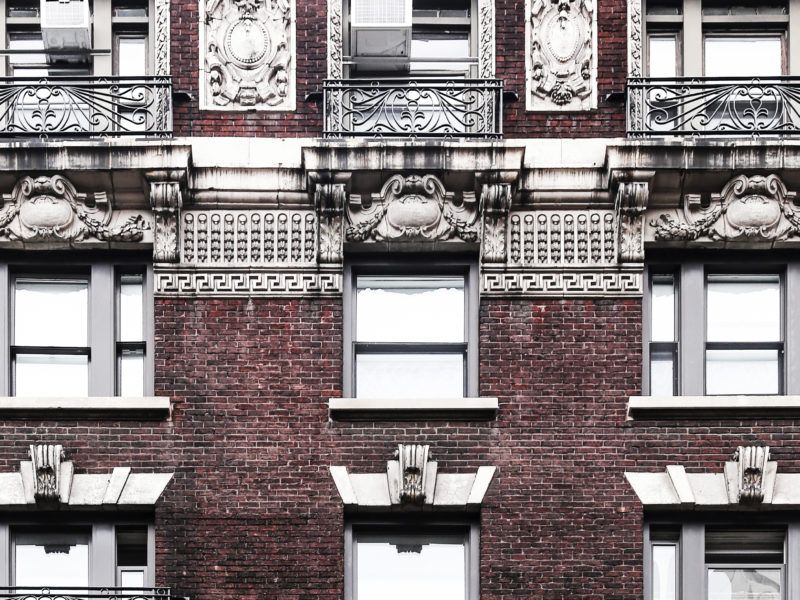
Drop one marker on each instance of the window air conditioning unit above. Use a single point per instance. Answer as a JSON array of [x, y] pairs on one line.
[[381, 34], [66, 25]]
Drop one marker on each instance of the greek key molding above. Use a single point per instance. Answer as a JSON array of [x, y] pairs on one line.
[[562, 283], [560, 55], [486, 39], [233, 282], [581, 238], [249, 238], [248, 49]]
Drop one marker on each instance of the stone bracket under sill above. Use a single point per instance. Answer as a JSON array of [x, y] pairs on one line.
[[148, 407], [689, 407], [373, 409]]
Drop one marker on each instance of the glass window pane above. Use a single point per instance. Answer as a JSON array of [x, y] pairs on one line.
[[131, 578], [132, 56], [51, 375], [743, 308], [743, 56], [131, 374], [131, 546], [56, 563], [662, 322], [664, 573], [410, 309], [744, 584], [663, 56], [410, 376], [50, 313], [400, 570], [662, 374], [742, 372], [27, 65], [131, 309], [664, 7], [426, 47]]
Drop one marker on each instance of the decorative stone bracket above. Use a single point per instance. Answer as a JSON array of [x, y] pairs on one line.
[[330, 198], [633, 191], [750, 479], [166, 200], [412, 480], [48, 479], [495, 205]]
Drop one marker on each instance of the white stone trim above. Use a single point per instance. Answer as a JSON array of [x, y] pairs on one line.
[[676, 406], [232, 282], [388, 406], [563, 283], [635, 46], [162, 66], [111, 405]]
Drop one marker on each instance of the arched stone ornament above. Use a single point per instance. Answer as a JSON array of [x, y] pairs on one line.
[[561, 55], [248, 49]]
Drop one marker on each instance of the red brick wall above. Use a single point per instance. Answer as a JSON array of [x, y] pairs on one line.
[[252, 511], [306, 120]]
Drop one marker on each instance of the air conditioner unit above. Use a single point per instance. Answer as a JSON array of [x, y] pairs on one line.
[[66, 25], [381, 34]]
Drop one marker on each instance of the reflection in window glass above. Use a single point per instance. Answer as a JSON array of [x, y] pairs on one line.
[[664, 571], [409, 309], [742, 372], [131, 373], [743, 56], [743, 308], [399, 569], [59, 562], [51, 375], [410, 375], [131, 56], [662, 325], [426, 47], [663, 56], [662, 373], [39, 310], [744, 584], [131, 309]]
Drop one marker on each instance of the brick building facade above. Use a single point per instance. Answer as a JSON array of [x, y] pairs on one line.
[[486, 299]]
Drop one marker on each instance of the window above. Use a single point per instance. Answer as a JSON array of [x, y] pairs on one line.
[[121, 40], [717, 38], [719, 561], [83, 556], [412, 334], [441, 42], [712, 330], [410, 560], [77, 333]]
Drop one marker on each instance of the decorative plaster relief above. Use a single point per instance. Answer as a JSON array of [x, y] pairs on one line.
[[415, 208], [230, 282], [249, 49], [752, 465], [750, 209], [329, 200], [249, 237], [580, 238], [50, 209], [46, 462], [631, 203], [411, 473], [166, 201], [495, 203], [561, 56]]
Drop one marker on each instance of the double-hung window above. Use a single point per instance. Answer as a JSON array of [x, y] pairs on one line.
[[412, 334], [409, 561], [713, 329], [80, 332]]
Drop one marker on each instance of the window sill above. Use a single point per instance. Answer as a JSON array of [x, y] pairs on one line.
[[643, 407], [355, 409], [148, 407]]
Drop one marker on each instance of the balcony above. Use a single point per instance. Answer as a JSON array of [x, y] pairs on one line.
[[713, 107], [68, 106], [413, 108], [91, 593]]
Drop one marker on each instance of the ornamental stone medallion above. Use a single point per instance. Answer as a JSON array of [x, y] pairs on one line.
[[561, 57], [249, 55]]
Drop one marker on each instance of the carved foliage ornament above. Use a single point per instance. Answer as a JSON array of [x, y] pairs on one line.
[[752, 465], [49, 209], [166, 200], [561, 55], [46, 461], [413, 460], [630, 206], [329, 199], [249, 54], [415, 208], [750, 208], [495, 204]]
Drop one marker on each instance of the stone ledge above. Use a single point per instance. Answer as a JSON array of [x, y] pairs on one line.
[[644, 407], [413, 408], [149, 407]]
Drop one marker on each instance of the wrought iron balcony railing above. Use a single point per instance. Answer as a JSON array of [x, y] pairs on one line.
[[420, 108], [68, 106], [86, 593], [701, 106]]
